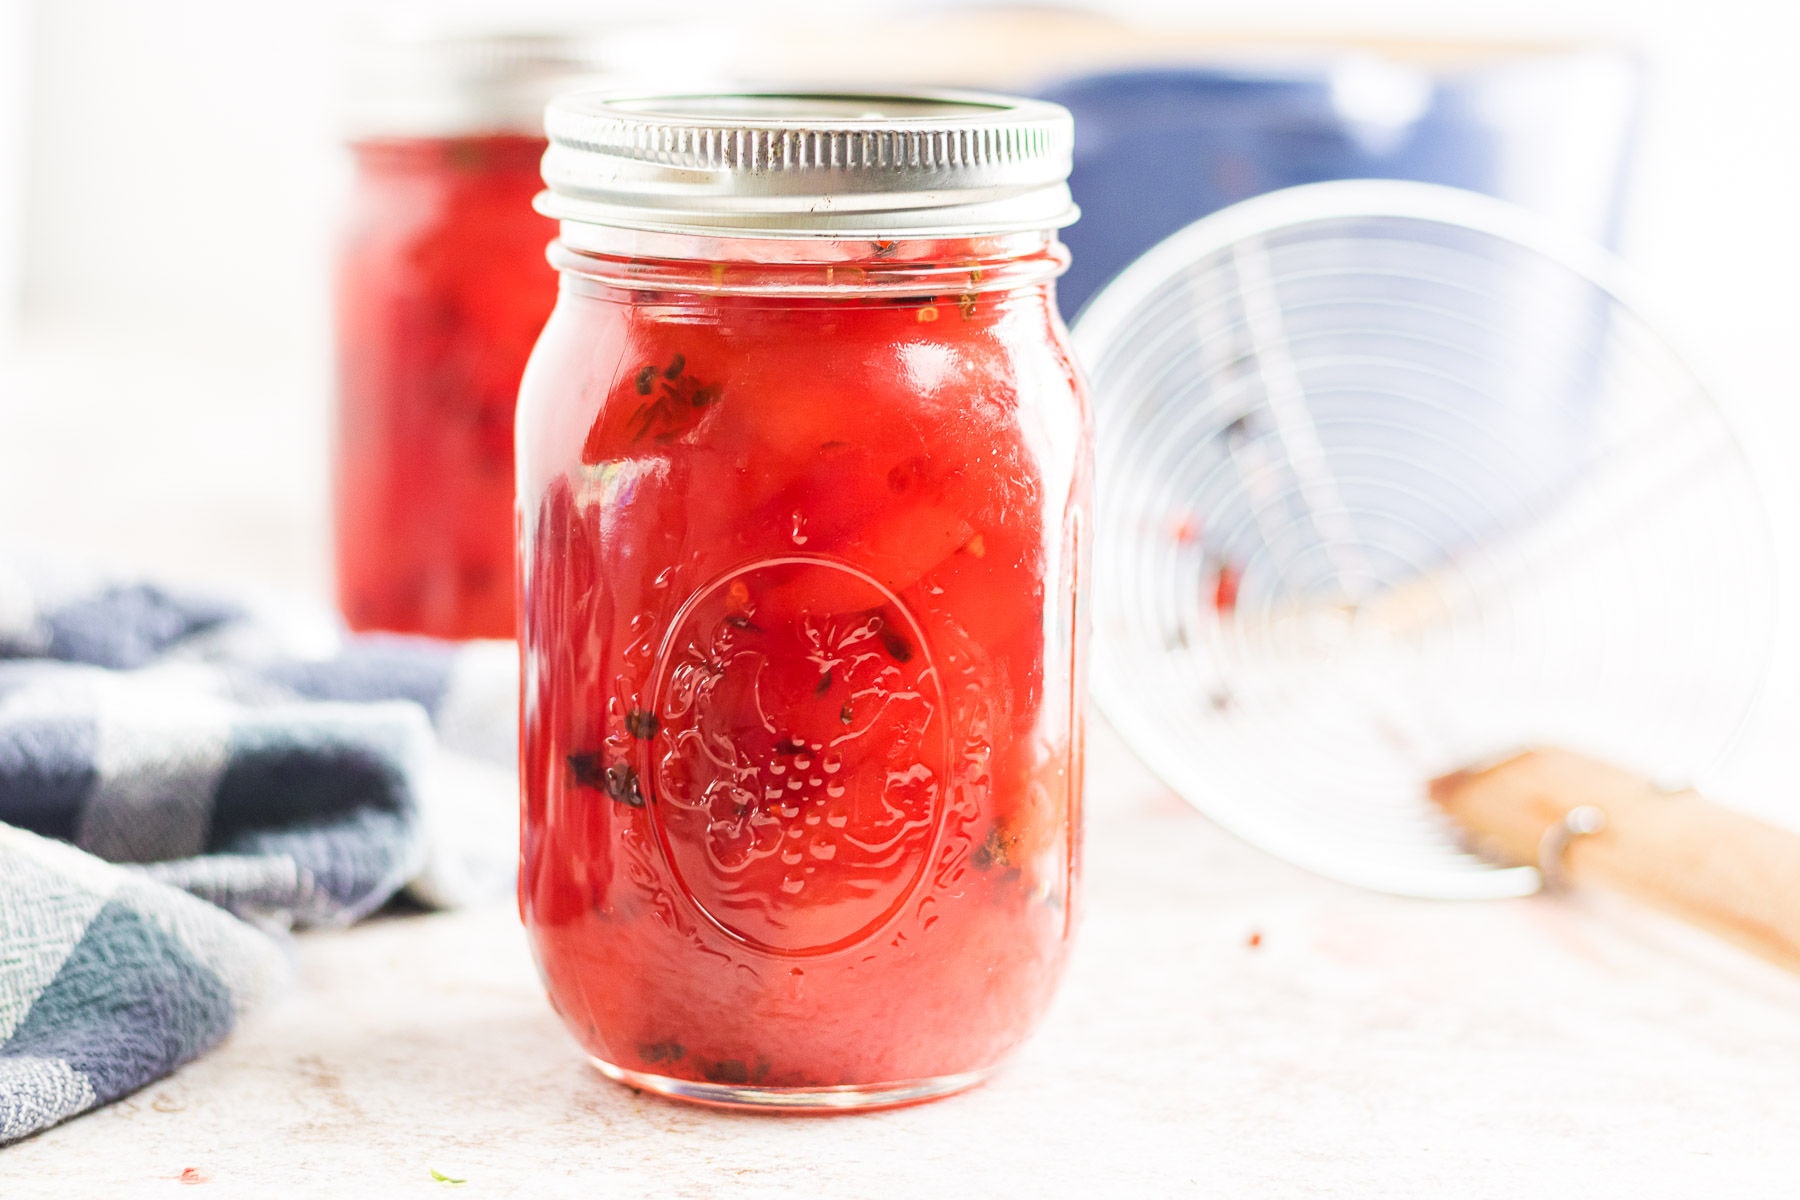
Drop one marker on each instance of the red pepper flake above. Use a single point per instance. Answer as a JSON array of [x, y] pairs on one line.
[[1187, 530], [193, 1175], [894, 643], [907, 476], [1255, 939], [619, 781], [1225, 590], [996, 849], [671, 396]]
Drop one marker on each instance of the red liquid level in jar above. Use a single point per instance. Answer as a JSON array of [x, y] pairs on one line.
[[442, 290], [800, 753]]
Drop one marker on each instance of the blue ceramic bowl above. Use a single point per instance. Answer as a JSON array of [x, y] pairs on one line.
[[1157, 148]]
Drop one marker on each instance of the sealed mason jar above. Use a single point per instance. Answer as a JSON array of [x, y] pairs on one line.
[[803, 485], [441, 291]]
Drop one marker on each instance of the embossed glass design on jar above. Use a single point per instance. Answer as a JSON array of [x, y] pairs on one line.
[[803, 469]]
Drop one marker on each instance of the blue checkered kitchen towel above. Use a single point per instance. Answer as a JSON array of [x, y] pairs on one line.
[[181, 775]]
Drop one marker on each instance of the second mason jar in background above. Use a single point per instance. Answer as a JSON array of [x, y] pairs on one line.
[[441, 290], [803, 486]]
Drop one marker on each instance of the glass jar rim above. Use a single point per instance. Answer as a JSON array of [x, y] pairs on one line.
[[637, 261]]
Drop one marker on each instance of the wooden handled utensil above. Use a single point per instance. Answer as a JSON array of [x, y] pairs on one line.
[[1584, 821]]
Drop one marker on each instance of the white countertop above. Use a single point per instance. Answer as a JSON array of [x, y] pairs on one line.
[[1368, 1046], [1364, 1046]]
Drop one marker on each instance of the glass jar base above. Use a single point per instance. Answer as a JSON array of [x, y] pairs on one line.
[[852, 1098]]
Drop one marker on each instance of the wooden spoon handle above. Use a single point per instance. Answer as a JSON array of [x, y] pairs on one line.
[[1733, 875]]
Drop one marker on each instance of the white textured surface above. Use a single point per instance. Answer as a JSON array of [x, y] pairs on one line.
[[1368, 1047]]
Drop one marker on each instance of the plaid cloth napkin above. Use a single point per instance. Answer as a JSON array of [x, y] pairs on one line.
[[182, 773]]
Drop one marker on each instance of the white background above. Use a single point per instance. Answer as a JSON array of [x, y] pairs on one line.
[[169, 184]]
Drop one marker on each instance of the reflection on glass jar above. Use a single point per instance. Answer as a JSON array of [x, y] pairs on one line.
[[802, 530]]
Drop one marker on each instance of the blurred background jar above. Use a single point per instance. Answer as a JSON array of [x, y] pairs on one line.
[[441, 289]]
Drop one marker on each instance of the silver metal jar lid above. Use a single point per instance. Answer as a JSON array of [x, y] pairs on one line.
[[446, 83], [808, 164]]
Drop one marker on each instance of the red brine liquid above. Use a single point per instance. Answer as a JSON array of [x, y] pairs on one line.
[[801, 749], [442, 290]]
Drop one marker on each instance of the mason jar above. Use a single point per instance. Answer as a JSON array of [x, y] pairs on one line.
[[803, 475], [441, 291]]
